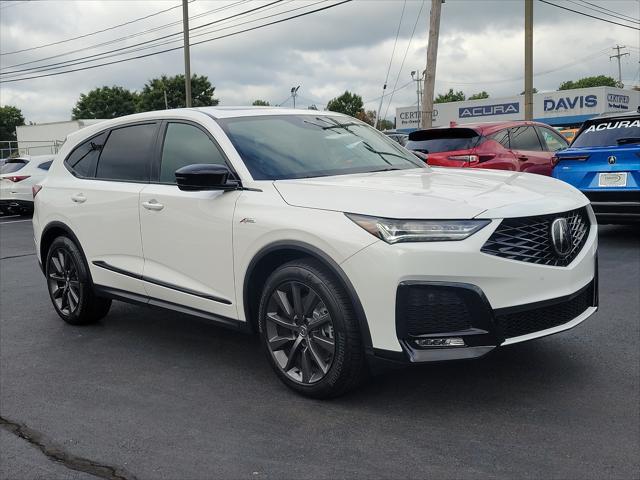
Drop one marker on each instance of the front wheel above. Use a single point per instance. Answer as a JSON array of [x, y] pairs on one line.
[[69, 285], [309, 330]]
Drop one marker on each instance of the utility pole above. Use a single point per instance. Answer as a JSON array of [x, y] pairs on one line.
[[187, 56], [294, 94], [528, 59], [380, 108], [619, 56], [426, 120], [418, 79]]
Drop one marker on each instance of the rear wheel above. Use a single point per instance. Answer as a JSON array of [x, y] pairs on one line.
[[69, 285], [309, 330]]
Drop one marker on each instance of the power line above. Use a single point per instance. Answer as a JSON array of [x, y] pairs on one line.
[[94, 33], [104, 56], [609, 10], [619, 17], [180, 47], [404, 58], [588, 15], [396, 90], [129, 46]]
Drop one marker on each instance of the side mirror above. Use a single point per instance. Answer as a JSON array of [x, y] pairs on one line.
[[199, 177]]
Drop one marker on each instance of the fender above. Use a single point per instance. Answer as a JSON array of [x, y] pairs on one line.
[[328, 262], [67, 230]]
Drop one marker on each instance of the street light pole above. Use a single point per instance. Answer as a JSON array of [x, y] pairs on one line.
[[294, 94], [187, 55]]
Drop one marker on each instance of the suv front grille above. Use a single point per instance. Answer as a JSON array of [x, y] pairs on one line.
[[528, 239], [536, 319]]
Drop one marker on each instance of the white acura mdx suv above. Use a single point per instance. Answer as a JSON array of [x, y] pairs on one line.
[[333, 242]]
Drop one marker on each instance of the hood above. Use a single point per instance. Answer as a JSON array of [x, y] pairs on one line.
[[434, 193]]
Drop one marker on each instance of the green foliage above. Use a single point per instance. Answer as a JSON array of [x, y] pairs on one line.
[[105, 102], [10, 118], [386, 124], [586, 82], [450, 96], [535, 90], [368, 116], [347, 103], [152, 95], [479, 96], [260, 103]]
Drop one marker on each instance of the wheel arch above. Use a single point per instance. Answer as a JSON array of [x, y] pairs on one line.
[[49, 233], [278, 253]]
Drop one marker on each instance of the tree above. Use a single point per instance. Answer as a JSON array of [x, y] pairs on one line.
[[260, 103], [385, 124], [10, 118], [105, 102], [347, 103], [479, 96], [152, 96], [450, 96], [586, 82], [535, 90], [368, 116]]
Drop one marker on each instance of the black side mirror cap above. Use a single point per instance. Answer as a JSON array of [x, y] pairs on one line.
[[205, 176]]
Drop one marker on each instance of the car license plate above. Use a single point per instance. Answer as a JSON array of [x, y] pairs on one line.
[[612, 179]]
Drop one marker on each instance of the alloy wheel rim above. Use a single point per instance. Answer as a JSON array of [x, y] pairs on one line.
[[300, 332], [63, 281]]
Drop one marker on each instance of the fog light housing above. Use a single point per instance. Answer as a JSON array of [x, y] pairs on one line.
[[439, 342]]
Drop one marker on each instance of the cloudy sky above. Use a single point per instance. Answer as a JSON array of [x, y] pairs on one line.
[[348, 47]]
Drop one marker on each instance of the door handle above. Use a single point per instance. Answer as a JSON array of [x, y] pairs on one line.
[[153, 205], [78, 198], [523, 157]]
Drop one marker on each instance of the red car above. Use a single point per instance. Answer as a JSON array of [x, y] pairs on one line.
[[519, 146]]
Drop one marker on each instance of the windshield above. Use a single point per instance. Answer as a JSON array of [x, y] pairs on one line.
[[443, 140], [609, 133], [11, 166], [277, 147]]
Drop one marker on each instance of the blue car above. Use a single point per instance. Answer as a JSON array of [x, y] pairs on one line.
[[604, 163]]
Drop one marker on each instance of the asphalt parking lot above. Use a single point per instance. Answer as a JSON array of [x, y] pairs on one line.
[[150, 394]]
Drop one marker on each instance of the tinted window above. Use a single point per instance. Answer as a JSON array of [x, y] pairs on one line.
[[84, 158], [14, 165], [524, 138], [186, 145], [45, 165], [554, 141], [609, 133], [301, 146], [502, 137], [127, 153], [443, 140]]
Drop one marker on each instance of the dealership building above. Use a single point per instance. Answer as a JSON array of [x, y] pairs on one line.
[[564, 108]]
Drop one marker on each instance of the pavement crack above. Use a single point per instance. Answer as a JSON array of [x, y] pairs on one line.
[[57, 453]]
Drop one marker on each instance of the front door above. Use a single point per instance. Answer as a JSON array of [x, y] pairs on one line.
[[187, 236]]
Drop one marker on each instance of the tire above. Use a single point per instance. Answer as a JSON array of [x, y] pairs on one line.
[[314, 343], [69, 285]]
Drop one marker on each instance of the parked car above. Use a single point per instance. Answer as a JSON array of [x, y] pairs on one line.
[[604, 163], [518, 146], [401, 138], [569, 133], [332, 242], [17, 177]]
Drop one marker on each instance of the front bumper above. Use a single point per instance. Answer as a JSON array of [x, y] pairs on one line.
[[494, 288]]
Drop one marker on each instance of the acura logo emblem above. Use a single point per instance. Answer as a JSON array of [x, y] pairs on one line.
[[612, 159], [561, 237]]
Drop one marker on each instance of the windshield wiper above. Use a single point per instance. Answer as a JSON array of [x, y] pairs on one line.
[[390, 169], [626, 140]]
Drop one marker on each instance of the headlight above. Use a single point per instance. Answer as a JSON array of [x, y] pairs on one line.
[[395, 231]]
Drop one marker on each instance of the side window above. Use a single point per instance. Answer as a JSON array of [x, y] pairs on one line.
[[525, 138], [552, 140], [84, 158], [127, 154], [45, 165], [502, 137], [186, 145]]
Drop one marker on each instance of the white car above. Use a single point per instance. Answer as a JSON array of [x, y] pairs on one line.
[[332, 242], [17, 177]]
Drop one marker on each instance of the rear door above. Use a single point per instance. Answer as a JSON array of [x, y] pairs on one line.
[[187, 236], [527, 147], [102, 201]]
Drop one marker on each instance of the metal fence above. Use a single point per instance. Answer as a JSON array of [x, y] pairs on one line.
[[13, 148]]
